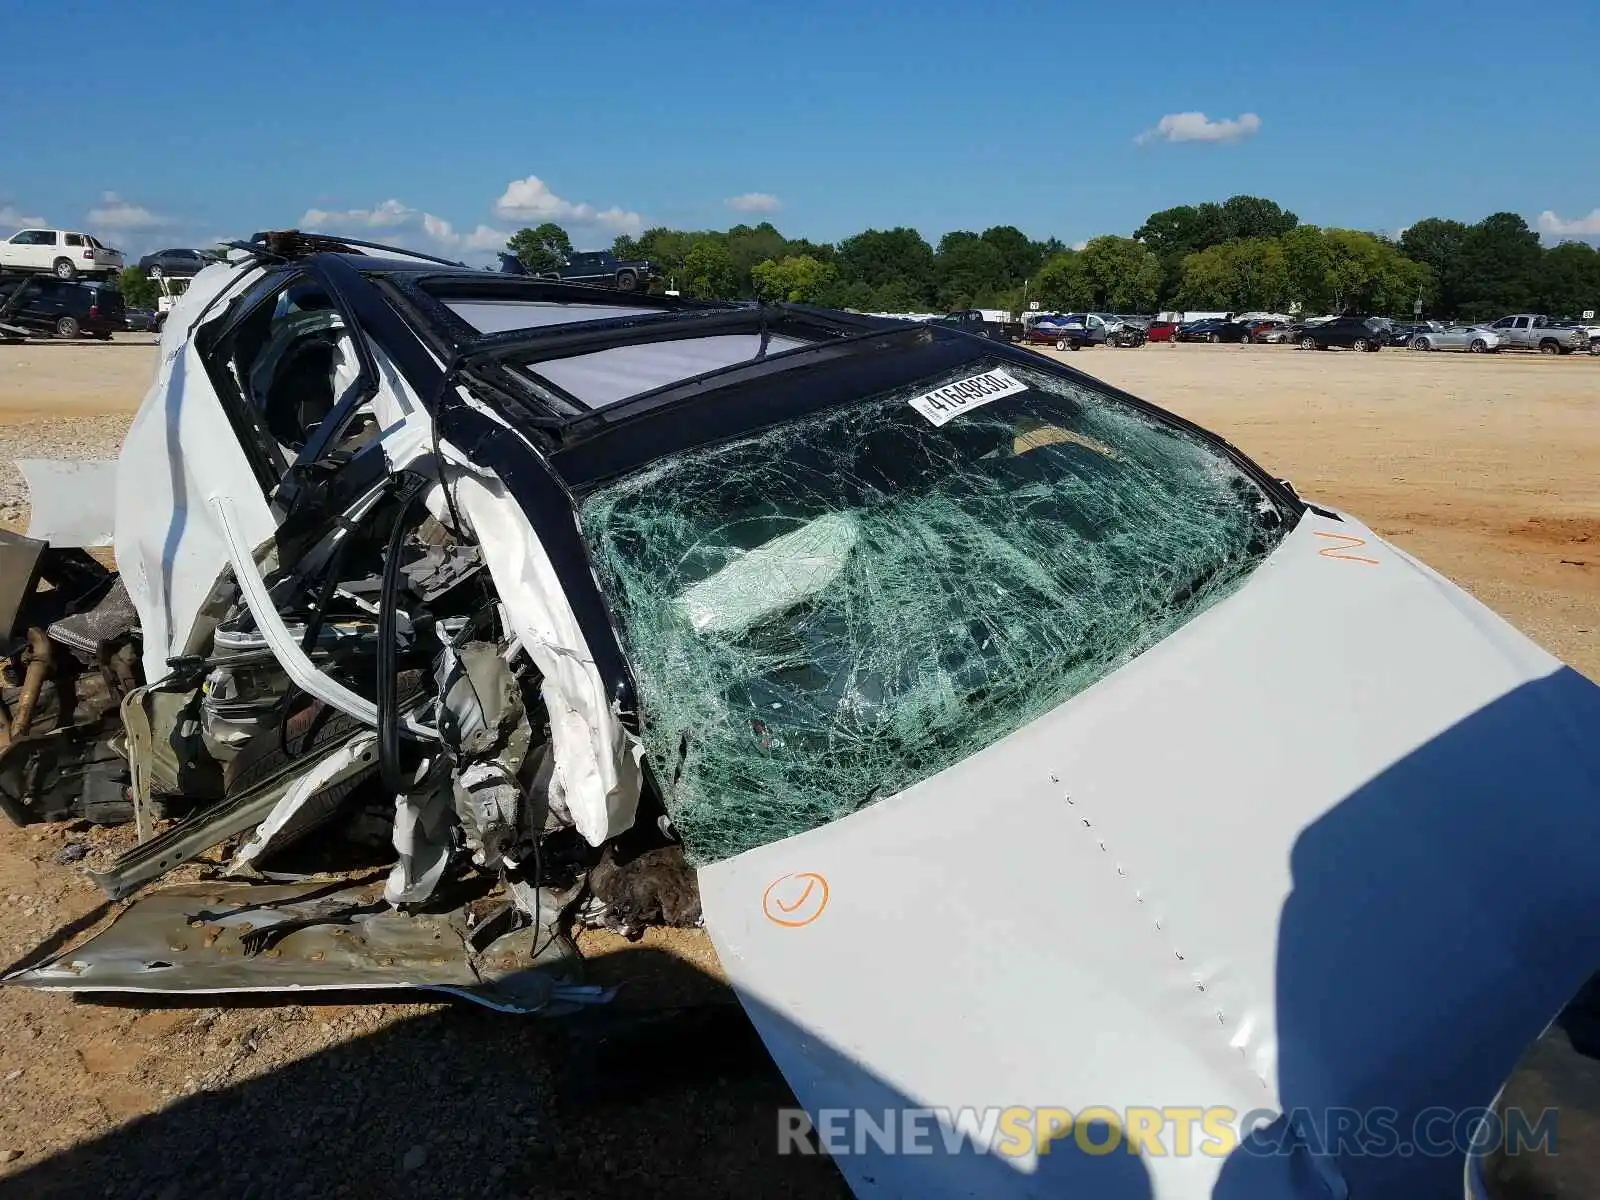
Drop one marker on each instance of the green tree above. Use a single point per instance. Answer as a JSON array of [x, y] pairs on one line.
[[898, 296], [1305, 263], [708, 271], [1436, 243], [1063, 285], [1020, 256], [1175, 233], [800, 279], [541, 249], [137, 288], [1569, 280], [1125, 275], [1245, 217], [1237, 276], [1368, 275], [667, 248], [840, 293], [801, 248], [1500, 259], [878, 257], [1208, 281], [971, 271], [749, 245]]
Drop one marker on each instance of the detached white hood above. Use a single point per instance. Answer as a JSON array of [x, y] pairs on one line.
[[1335, 842]]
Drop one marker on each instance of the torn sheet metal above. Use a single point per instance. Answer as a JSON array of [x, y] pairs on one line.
[[71, 502], [421, 840], [211, 939], [597, 773], [170, 545], [209, 827], [293, 815]]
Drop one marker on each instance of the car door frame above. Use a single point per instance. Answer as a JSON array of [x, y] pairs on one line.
[[272, 469], [37, 256]]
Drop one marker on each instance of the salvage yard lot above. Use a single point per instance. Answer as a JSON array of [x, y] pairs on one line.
[[1484, 467]]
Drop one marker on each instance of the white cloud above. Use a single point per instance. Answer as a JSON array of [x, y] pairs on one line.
[[113, 212], [530, 200], [1080, 245], [409, 228], [1196, 127], [391, 214], [1577, 227], [754, 202], [12, 217]]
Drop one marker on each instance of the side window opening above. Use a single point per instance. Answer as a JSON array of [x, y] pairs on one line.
[[289, 363]]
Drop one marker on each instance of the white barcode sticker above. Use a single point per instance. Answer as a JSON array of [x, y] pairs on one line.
[[953, 399]]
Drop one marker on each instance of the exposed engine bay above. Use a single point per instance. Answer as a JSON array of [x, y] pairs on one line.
[[425, 849]]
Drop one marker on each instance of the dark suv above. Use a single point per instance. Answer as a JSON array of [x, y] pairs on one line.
[[66, 308]]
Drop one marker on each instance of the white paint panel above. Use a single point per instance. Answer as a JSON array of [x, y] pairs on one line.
[[180, 452], [1331, 843], [597, 773], [71, 503]]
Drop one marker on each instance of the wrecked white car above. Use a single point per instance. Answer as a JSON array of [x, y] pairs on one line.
[[1024, 744]]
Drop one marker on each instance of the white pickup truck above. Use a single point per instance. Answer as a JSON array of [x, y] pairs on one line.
[[59, 252], [1532, 331]]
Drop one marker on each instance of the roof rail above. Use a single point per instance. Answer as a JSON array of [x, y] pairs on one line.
[[288, 244]]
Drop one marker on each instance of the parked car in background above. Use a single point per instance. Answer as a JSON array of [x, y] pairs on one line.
[[1351, 333], [181, 264], [67, 308], [1043, 333], [1404, 335], [1478, 339], [59, 252], [1084, 328], [1269, 332], [1213, 329], [1533, 331], [601, 268], [1128, 335], [1161, 331], [985, 323], [1070, 331], [139, 320]]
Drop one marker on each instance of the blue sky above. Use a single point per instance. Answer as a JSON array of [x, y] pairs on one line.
[[446, 125]]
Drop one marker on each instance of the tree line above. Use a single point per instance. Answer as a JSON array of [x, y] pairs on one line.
[[1245, 253]]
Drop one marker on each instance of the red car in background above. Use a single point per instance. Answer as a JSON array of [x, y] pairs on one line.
[[1161, 331]]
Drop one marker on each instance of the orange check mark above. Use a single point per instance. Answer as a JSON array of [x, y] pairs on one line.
[[811, 886], [802, 908]]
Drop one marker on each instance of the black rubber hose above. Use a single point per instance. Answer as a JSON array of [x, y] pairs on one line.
[[390, 771]]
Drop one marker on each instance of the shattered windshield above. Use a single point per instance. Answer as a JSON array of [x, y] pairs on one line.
[[828, 611]]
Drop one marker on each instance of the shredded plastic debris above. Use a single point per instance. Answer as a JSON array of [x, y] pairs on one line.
[[827, 612]]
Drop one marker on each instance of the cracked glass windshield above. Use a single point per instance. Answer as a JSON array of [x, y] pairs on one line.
[[831, 610]]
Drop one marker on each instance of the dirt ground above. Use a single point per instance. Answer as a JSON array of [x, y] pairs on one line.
[[1487, 468]]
